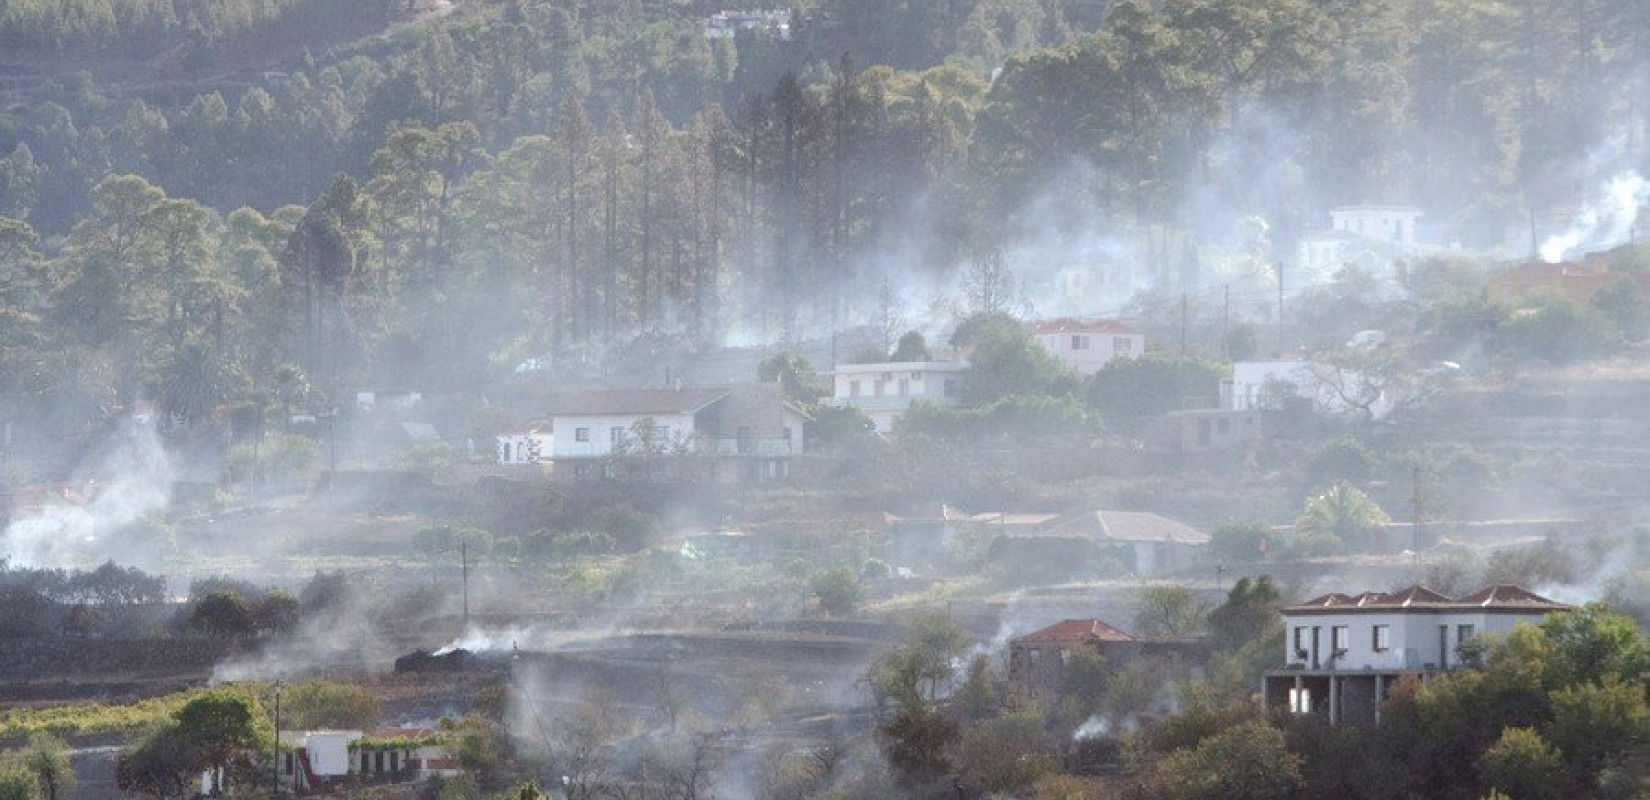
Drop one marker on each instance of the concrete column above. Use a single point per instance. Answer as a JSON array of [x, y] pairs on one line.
[[1334, 700], [1296, 697]]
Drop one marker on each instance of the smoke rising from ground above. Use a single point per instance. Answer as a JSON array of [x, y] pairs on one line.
[[133, 481], [1608, 220]]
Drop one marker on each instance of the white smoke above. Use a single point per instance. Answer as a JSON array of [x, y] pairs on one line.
[[1605, 223], [478, 640], [1095, 727], [135, 480]]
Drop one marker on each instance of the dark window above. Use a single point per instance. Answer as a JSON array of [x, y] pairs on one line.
[[581, 434], [1381, 640]]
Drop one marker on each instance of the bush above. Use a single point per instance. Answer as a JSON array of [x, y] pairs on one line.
[[1522, 765], [1019, 419], [321, 704], [1129, 389], [1345, 459], [837, 590]]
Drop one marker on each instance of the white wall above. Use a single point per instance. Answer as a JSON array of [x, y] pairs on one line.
[[1413, 643], [566, 444], [886, 390], [329, 752], [1100, 350], [1385, 224]]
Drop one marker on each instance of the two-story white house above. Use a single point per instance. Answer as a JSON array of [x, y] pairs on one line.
[[885, 390], [1088, 345], [745, 432], [1343, 652], [1358, 230]]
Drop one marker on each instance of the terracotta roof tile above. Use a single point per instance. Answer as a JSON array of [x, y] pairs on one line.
[[1076, 631], [1069, 325]]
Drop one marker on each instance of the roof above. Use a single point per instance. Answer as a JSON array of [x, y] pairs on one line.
[[1499, 598], [1132, 526], [1070, 325], [1076, 631], [634, 402], [1353, 209], [408, 732]]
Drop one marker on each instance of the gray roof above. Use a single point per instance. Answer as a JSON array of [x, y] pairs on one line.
[[632, 402], [1131, 526]]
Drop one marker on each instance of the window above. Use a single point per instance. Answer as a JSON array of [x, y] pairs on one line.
[[662, 433], [887, 376], [917, 375], [615, 435], [1035, 655], [1337, 638], [876, 388], [950, 388], [1079, 342], [853, 388], [1223, 425], [904, 387], [1122, 345], [1381, 640], [1463, 633], [581, 434], [521, 451], [1300, 642]]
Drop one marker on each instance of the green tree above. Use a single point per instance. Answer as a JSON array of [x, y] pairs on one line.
[[1169, 611], [1126, 390], [1247, 762], [1522, 765], [1006, 362], [223, 613], [1623, 305], [1251, 608], [1341, 515], [837, 590]]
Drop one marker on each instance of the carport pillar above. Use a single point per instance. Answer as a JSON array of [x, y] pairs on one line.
[[1380, 684], [1334, 700]]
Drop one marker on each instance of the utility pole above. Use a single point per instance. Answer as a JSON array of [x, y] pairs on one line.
[[1226, 321], [464, 561], [1415, 518], [275, 772], [1183, 314], [1280, 309]]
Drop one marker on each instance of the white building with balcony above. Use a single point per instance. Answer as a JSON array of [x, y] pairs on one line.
[[885, 390], [1342, 653]]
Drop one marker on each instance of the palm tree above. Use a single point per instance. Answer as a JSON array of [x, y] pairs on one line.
[[1341, 514]]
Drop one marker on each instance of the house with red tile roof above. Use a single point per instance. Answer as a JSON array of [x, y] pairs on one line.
[[1088, 345], [1343, 652], [1037, 661]]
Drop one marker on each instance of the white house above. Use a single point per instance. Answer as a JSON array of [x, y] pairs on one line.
[[516, 448], [1088, 345], [1389, 224], [1343, 652], [884, 391], [1355, 231], [750, 428]]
